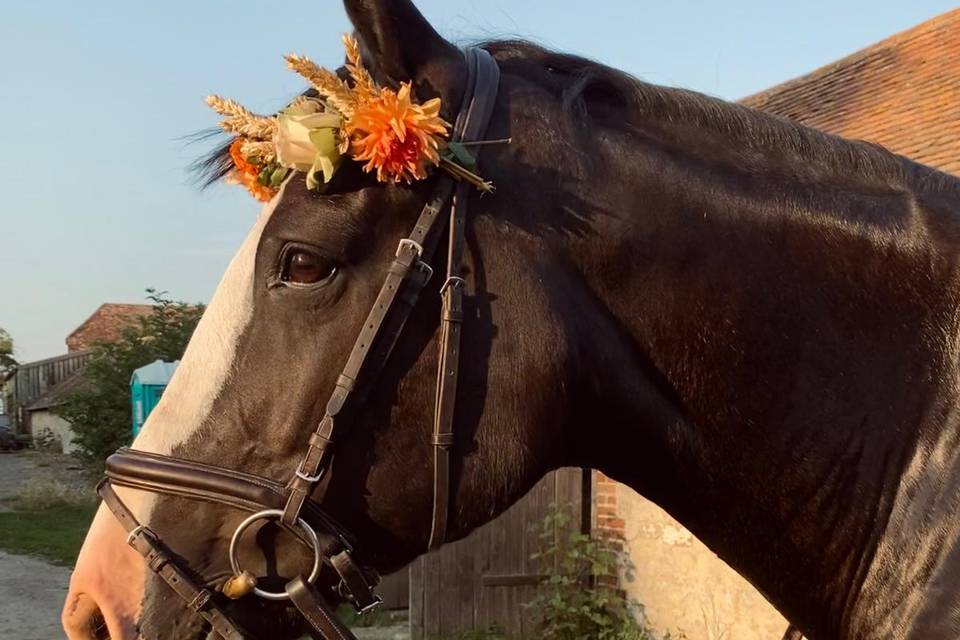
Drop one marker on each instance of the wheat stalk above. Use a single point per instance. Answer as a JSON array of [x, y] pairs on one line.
[[240, 120], [262, 151], [334, 90], [363, 82]]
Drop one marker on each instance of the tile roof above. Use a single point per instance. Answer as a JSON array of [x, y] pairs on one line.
[[903, 93], [106, 323]]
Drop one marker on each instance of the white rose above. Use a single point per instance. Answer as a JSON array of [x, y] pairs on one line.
[[292, 142]]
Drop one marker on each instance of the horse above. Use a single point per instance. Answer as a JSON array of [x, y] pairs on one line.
[[751, 323]]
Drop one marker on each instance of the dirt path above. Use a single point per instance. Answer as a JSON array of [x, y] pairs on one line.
[[31, 590], [31, 594]]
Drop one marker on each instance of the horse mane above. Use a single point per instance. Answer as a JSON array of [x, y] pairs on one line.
[[617, 101]]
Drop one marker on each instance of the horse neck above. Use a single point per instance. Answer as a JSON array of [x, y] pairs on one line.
[[745, 355]]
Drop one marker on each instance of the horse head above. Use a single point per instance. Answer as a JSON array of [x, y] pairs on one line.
[[255, 380]]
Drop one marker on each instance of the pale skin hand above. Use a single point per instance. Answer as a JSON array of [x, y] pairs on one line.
[[109, 577]]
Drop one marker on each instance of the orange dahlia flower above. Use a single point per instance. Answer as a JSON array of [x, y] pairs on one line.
[[246, 173], [394, 136]]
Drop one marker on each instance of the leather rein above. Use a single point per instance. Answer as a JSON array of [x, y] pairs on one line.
[[290, 503]]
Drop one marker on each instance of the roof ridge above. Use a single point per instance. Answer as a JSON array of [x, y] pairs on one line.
[[937, 22]]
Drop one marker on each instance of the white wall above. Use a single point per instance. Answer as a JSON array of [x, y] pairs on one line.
[[41, 421], [684, 586]]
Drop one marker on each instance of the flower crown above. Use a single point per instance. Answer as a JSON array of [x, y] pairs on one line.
[[384, 129]]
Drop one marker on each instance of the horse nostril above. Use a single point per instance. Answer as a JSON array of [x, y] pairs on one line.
[[83, 620], [98, 627]]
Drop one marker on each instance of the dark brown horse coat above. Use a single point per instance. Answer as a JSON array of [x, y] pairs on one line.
[[751, 323]]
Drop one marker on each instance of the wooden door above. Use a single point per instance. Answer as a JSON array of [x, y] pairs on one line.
[[483, 581]]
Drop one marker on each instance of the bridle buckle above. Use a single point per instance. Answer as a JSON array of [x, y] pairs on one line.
[[311, 479], [452, 281], [407, 242], [377, 601], [141, 529], [420, 265], [426, 269]]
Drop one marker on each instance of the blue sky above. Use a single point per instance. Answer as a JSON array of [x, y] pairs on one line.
[[96, 98]]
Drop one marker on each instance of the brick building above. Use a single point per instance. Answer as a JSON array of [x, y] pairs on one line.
[[902, 93], [106, 323]]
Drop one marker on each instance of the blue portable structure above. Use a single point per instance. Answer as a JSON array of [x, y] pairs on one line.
[[146, 386]]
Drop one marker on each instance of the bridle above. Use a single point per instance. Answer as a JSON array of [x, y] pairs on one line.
[[290, 503]]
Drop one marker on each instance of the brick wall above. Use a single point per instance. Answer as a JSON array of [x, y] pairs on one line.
[[608, 519]]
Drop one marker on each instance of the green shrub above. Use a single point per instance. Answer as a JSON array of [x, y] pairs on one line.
[[580, 597]]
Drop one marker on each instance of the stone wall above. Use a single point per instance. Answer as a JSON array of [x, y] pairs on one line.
[[684, 587]]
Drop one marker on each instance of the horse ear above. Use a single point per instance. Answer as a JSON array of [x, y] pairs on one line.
[[400, 45]]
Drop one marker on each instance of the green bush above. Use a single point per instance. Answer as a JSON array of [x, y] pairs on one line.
[[580, 597], [100, 415]]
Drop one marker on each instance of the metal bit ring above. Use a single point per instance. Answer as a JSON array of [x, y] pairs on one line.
[[275, 514]]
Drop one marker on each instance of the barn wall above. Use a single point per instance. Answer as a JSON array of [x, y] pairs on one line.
[[685, 587], [41, 421], [483, 581]]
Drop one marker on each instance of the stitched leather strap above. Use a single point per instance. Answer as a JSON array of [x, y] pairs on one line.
[[482, 72], [354, 582], [197, 481], [393, 306], [188, 479], [315, 610], [406, 277], [160, 561]]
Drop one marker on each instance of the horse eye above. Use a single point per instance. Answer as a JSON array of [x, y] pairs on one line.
[[303, 266]]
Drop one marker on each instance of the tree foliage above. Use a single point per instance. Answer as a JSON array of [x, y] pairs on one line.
[[7, 361], [100, 415]]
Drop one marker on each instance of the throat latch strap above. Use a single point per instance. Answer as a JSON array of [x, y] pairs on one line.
[[476, 116]]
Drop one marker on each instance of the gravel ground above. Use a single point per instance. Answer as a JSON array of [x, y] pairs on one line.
[[31, 594], [31, 590]]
